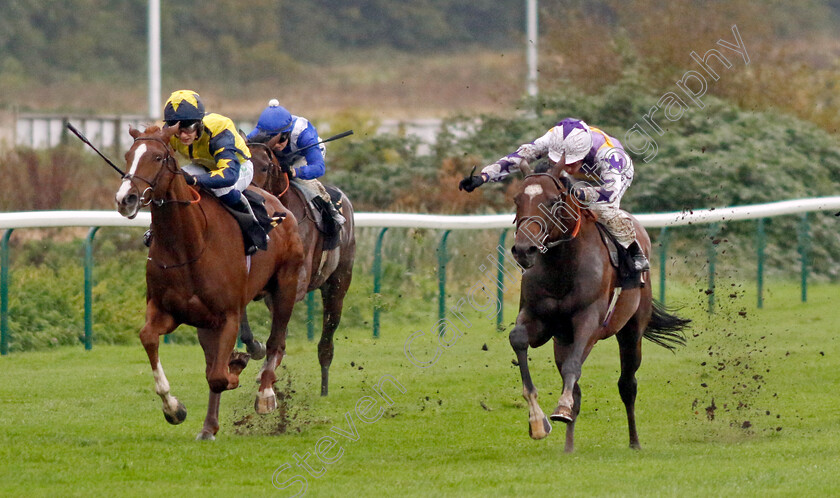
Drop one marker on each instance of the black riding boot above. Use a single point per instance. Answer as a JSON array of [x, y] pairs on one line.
[[256, 234], [336, 215], [640, 261]]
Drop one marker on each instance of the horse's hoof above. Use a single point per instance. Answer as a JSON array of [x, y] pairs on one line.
[[563, 414], [179, 416], [539, 429], [256, 349], [205, 436], [265, 403], [238, 360]]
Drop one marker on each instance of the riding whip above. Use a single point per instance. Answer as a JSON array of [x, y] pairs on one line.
[[334, 137], [86, 141]]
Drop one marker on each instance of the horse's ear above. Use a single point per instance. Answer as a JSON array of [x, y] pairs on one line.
[[556, 170], [243, 135], [274, 140], [525, 168], [134, 132], [169, 131]]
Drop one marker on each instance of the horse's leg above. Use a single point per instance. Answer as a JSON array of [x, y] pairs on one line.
[[282, 300], [332, 295], [254, 347], [630, 350], [157, 324], [570, 358], [559, 355], [237, 363], [211, 420], [538, 425], [218, 347]]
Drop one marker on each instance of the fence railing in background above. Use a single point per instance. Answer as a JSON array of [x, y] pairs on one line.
[[97, 219], [107, 133], [110, 132]]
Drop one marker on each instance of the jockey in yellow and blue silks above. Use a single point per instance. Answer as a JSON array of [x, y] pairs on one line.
[[596, 161], [218, 157], [298, 149]]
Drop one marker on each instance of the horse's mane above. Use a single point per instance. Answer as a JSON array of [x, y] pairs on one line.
[[151, 129]]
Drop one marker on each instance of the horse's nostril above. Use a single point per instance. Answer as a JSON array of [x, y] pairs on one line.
[[131, 199], [523, 251]]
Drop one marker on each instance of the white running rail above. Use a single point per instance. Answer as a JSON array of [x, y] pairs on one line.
[[47, 219]]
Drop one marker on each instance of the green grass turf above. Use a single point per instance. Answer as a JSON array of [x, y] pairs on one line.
[[88, 423]]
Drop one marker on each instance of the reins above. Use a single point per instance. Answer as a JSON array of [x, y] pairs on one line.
[[563, 198], [169, 164], [275, 163]]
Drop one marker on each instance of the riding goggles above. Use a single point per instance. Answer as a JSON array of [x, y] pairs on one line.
[[283, 135], [188, 126]]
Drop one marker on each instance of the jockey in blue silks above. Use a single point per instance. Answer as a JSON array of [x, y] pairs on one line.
[[597, 163], [298, 148]]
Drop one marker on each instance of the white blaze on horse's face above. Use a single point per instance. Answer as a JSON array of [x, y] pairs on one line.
[[129, 211], [533, 190]]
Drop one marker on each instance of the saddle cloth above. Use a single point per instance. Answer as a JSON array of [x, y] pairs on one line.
[[321, 216]]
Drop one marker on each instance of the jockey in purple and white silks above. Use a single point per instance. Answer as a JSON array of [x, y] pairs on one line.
[[597, 163]]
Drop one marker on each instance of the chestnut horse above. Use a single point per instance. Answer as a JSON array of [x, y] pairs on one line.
[[330, 271], [197, 274], [566, 294]]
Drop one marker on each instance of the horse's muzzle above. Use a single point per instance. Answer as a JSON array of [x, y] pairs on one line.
[[128, 205], [524, 254]]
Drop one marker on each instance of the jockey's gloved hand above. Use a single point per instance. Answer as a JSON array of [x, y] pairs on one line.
[[579, 193], [190, 179], [471, 182]]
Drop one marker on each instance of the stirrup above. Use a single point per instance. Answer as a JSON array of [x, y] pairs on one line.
[[147, 238]]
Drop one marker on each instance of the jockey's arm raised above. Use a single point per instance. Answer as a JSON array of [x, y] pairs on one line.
[[528, 153]]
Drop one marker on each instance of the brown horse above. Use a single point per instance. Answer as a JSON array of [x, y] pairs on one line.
[[330, 271], [197, 274], [566, 294]]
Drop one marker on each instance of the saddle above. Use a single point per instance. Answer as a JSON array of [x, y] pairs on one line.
[[253, 235], [620, 259], [319, 212]]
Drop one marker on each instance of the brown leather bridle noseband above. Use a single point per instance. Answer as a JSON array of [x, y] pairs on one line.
[[169, 164], [561, 198]]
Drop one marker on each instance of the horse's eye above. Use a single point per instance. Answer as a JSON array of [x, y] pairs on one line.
[[158, 158]]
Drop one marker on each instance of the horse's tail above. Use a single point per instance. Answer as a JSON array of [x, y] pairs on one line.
[[664, 328]]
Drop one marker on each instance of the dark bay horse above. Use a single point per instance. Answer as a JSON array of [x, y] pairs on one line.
[[197, 274], [566, 292], [330, 270]]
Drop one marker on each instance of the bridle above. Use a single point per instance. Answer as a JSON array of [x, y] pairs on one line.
[[170, 165], [562, 198], [275, 165]]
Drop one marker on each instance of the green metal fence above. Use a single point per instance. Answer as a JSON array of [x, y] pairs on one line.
[[446, 224]]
